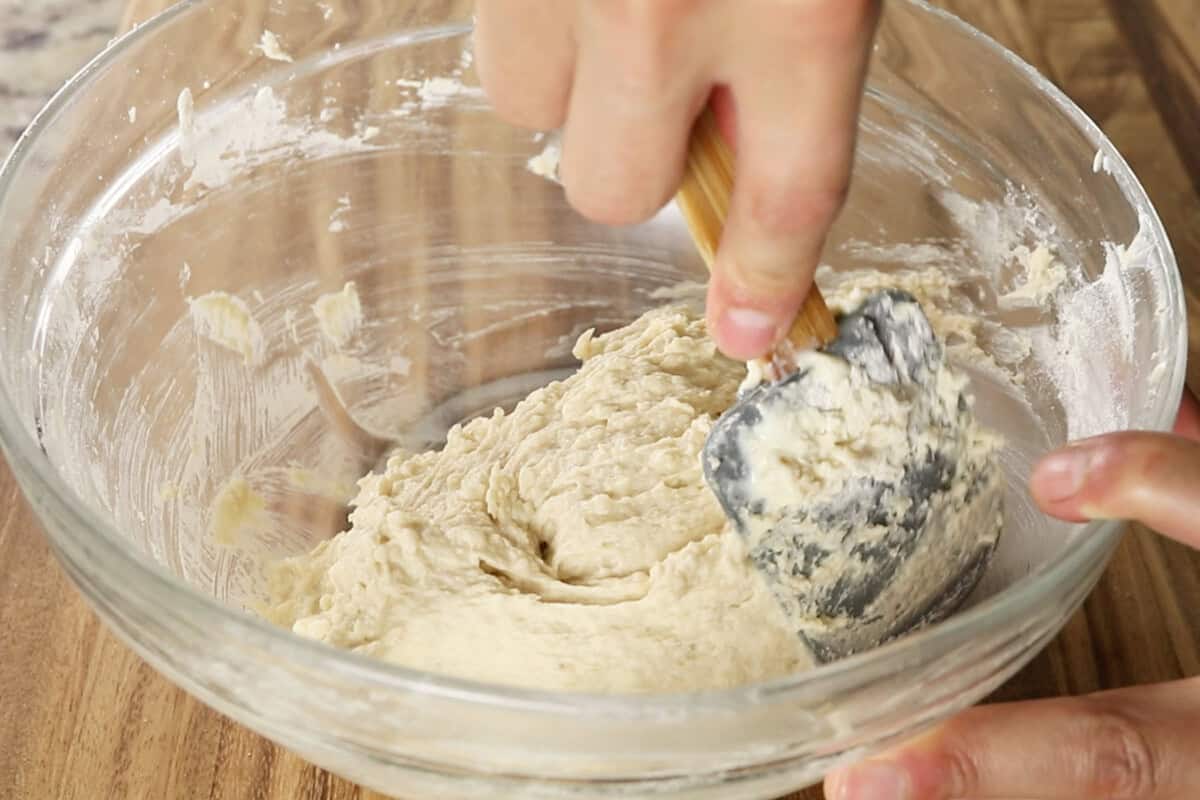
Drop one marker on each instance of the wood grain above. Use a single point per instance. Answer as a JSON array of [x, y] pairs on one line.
[[82, 717]]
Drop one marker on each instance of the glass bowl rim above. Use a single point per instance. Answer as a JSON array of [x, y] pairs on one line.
[[108, 551]]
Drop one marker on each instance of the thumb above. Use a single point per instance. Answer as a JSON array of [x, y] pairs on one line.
[[1148, 477], [1131, 744]]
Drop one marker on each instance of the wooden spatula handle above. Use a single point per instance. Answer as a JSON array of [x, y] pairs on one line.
[[704, 199]]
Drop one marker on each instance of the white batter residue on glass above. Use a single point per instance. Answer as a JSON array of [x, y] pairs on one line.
[[185, 107], [1085, 319], [339, 314], [337, 217], [250, 130], [1044, 276], [545, 163], [226, 320], [237, 510], [271, 48]]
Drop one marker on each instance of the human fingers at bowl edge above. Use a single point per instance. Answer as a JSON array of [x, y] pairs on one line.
[[1130, 744], [1148, 477]]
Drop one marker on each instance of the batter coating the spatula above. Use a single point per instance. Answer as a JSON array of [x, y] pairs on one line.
[[573, 543]]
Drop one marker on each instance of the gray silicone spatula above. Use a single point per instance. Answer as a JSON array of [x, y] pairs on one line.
[[880, 555]]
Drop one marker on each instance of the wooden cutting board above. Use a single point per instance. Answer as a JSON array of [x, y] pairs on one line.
[[82, 717]]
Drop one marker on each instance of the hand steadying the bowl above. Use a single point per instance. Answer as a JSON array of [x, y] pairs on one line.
[[1133, 744], [627, 78]]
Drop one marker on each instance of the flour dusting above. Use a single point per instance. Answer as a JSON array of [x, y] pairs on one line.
[[1044, 277], [271, 48], [251, 130], [185, 107], [545, 164], [337, 217], [226, 320], [437, 91], [237, 510]]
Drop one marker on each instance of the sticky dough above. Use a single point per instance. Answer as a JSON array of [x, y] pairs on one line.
[[571, 544]]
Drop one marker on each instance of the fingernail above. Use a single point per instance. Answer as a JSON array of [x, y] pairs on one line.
[[872, 780], [1062, 475], [747, 332]]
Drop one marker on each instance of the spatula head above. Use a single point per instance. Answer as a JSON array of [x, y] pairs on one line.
[[868, 494]]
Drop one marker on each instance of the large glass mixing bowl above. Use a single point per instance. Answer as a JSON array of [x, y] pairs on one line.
[[370, 157]]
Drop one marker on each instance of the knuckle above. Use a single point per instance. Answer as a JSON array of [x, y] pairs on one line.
[[614, 179], [962, 771], [1120, 761], [518, 105], [606, 204], [783, 208], [526, 115], [774, 279], [529, 90], [768, 283], [1155, 462], [646, 69], [643, 39], [958, 756]]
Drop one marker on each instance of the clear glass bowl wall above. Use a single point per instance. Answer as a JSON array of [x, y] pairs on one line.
[[350, 164]]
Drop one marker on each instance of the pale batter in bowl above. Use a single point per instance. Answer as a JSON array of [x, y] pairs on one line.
[[573, 543]]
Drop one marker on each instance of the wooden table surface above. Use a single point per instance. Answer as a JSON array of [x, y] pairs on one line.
[[82, 717]]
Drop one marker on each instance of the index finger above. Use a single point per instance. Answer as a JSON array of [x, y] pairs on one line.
[[796, 82]]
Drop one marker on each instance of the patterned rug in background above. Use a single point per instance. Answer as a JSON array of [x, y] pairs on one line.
[[42, 44]]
